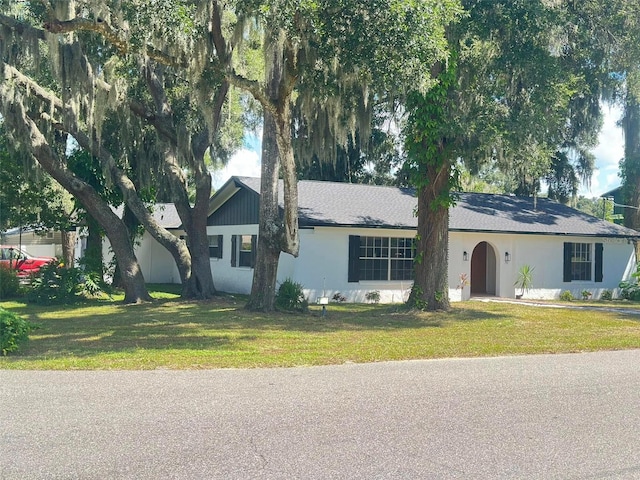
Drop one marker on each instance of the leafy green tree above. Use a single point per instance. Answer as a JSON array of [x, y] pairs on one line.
[[597, 207], [330, 58], [430, 160], [29, 198], [320, 55], [372, 160], [24, 192], [150, 66], [29, 70], [505, 96], [613, 28], [487, 179], [630, 165]]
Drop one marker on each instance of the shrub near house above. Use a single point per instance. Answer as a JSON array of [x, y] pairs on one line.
[[9, 283], [14, 331]]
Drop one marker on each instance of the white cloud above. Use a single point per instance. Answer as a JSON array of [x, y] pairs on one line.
[[609, 152], [244, 163]]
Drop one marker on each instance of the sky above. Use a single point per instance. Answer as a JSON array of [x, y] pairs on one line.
[[609, 152], [244, 163], [610, 149]]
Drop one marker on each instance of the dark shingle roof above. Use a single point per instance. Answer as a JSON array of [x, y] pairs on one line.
[[164, 213], [504, 213], [347, 204], [167, 215]]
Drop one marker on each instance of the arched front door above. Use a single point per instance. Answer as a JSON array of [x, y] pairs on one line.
[[483, 270]]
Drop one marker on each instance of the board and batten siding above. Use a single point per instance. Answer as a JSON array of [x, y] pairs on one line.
[[242, 209]]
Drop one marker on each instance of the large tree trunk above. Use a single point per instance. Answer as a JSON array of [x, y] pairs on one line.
[[176, 247], [198, 281], [193, 262], [431, 285], [131, 222], [93, 261], [270, 230], [274, 236], [68, 247], [134, 285], [430, 150], [201, 282], [631, 164], [201, 285]]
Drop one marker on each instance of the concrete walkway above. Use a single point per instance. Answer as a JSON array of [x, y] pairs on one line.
[[550, 304]]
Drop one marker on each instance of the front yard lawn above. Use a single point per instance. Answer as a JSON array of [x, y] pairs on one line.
[[221, 333]]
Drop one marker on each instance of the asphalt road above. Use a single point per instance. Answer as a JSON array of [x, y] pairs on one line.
[[534, 417]]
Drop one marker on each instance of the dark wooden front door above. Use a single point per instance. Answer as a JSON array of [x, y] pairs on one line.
[[479, 269]]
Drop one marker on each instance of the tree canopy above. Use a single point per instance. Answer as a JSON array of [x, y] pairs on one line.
[[153, 90], [518, 93], [29, 198], [135, 87]]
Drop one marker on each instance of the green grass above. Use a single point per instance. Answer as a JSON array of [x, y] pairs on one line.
[[221, 333]]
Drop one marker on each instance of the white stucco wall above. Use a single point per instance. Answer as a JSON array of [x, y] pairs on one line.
[[545, 254], [322, 266], [225, 277], [156, 262], [158, 266]]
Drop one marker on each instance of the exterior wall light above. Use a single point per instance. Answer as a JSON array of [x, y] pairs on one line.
[[507, 257], [465, 256]]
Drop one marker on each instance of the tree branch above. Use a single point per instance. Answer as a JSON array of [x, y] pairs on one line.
[[30, 84], [83, 24], [254, 88], [22, 29], [111, 35], [219, 41], [141, 111]]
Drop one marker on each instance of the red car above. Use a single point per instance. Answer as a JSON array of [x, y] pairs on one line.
[[21, 261]]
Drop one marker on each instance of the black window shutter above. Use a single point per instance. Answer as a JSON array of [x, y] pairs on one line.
[[219, 246], [234, 250], [566, 276], [598, 272], [354, 258], [254, 249]]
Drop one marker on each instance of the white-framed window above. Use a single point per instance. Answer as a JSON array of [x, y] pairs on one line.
[[380, 258], [583, 262], [215, 246], [243, 250]]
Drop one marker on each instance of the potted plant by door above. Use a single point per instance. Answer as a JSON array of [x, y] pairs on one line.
[[525, 279]]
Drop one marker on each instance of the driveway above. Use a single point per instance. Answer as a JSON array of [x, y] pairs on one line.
[[549, 416]]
